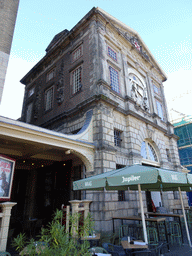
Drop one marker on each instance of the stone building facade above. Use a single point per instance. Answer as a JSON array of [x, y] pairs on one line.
[[8, 14], [103, 66]]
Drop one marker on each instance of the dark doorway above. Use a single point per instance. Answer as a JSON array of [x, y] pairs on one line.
[[53, 188], [19, 196], [50, 186]]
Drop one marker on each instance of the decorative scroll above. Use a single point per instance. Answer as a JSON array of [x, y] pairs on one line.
[[37, 101], [60, 86]]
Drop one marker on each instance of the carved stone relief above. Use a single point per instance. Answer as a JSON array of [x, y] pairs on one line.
[[37, 101], [138, 92], [60, 85], [1, 4], [150, 133]]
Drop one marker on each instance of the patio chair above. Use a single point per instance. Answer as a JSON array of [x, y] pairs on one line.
[[108, 237], [114, 250], [128, 230], [162, 231], [175, 234], [142, 252], [152, 236], [157, 250], [189, 218], [98, 249]]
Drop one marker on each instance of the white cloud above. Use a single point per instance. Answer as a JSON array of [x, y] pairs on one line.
[[178, 93], [11, 104]]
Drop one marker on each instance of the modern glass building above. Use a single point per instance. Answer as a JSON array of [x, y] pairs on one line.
[[183, 129]]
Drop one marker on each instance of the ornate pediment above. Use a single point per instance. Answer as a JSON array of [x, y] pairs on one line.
[[134, 38]]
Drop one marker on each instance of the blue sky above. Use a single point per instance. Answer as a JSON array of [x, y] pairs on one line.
[[165, 26]]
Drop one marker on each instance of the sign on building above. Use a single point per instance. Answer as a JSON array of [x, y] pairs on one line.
[[7, 166]]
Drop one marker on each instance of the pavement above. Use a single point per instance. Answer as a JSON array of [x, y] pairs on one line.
[[184, 249], [175, 249]]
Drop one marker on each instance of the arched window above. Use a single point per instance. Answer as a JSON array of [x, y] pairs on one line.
[[148, 152]]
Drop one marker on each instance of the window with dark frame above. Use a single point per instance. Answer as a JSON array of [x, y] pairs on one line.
[[117, 138], [121, 193], [49, 99], [114, 78], [29, 112], [77, 79], [168, 155], [176, 195], [50, 75], [77, 53], [31, 91], [112, 53]]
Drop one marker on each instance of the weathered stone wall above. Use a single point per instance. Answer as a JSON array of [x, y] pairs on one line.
[[8, 13], [4, 58]]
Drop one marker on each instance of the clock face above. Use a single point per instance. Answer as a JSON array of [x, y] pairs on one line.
[[139, 88]]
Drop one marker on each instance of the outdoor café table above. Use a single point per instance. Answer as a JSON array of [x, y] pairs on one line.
[[132, 247], [173, 215], [138, 218], [91, 239]]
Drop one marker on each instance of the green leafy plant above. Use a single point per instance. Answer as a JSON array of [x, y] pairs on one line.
[[54, 240], [19, 242]]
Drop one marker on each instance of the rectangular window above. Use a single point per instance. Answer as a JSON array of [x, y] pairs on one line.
[[77, 53], [168, 155], [117, 138], [156, 89], [76, 79], [112, 53], [121, 195], [31, 91], [50, 75], [29, 112], [49, 99], [176, 194], [114, 78], [160, 109]]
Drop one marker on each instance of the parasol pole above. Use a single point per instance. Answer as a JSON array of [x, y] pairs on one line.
[[184, 215], [142, 214]]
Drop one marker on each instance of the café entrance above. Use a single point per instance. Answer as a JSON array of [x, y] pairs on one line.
[[39, 192]]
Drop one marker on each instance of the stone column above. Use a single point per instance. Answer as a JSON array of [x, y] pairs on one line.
[[5, 215], [75, 209], [86, 204]]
